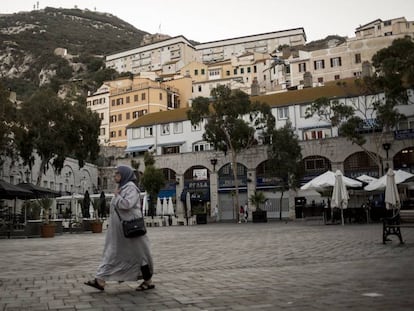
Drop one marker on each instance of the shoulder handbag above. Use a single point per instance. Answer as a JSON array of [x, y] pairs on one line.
[[134, 227]]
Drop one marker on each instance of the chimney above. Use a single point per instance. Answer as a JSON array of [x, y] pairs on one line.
[[307, 79], [255, 88]]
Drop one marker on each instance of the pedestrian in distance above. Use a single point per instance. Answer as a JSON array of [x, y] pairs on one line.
[[124, 259], [241, 213], [246, 212]]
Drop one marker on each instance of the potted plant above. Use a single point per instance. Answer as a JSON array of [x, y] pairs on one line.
[[47, 229], [96, 223], [258, 214]]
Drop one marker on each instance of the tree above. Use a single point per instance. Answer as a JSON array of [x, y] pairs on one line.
[[285, 157], [152, 180], [56, 129], [234, 124], [374, 111]]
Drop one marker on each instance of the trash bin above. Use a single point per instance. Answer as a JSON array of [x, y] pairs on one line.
[[300, 203]]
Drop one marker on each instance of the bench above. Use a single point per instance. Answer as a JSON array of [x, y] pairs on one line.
[[393, 225]]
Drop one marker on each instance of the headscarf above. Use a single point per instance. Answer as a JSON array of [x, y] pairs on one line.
[[127, 174]]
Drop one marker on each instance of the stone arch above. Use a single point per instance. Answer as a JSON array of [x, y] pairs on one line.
[[404, 159], [360, 163]]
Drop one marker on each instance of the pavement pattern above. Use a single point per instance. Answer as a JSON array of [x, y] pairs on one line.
[[272, 266]]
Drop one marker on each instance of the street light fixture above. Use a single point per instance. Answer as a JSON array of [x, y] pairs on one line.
[[386, 146], [214, 163]]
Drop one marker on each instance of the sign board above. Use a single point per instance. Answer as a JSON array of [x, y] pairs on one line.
[[200, 174]]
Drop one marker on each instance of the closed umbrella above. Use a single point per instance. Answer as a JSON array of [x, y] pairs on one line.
[[392, 198], [145, 205], [158, 210], [188, 205], [340, 195], [164, 206], [170, 209]]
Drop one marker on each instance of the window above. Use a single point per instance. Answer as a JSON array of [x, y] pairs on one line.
[[120, 117], [319, 64], [148, 131], [357, 58], [320, 80], [248, 70], [302, 67], [143, 96], [336, 62], [337, 77], [170, 149], [242, 70], [113, 102], [119, 101], [128, 115], [135, 98], [160, 96], [113, 134], [202, 146], [196, 127], [303, 109], [165, 129], [101, 116], [283, 113], [196, 72], [203, 71], [136, 133], [316, 134], [119, 133], [199, 88], [112, 119], [235, 71], [127, 99], [255, 69], [178, 127], [227, 72]]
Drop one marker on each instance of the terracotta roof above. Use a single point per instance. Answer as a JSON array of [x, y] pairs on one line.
[[308, 95], [161, 117]]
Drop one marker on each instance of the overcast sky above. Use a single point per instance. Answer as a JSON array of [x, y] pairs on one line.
[[211, 20]]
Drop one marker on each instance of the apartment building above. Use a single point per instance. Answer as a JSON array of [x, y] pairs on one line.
[[99, 103], [346, 59], [170, 54]]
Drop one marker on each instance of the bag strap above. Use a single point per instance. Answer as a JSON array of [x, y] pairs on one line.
[[116, 210]]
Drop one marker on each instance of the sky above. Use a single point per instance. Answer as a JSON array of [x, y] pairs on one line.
[[211, 20]]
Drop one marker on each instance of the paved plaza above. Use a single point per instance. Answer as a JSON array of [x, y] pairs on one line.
[[273, 266]]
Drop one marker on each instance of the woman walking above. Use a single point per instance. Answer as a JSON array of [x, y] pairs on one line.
[[124, 259]]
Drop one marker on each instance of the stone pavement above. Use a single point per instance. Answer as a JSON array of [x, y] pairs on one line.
[[273, 266]]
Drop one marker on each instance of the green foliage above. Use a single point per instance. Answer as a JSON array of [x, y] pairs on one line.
[[56, 129], [329, 110], [8, 115], [152, 180], [257, 198], [45, 204], [285, 156]]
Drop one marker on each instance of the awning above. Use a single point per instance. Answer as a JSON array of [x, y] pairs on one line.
[[166, 193], [177, 143], [138, 148]]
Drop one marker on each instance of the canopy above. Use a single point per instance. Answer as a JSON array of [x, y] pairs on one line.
[[367, 179], [327, 179], [39, 192], [9, 192], [380, 184]]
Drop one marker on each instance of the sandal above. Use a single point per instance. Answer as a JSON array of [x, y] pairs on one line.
[[94, 284], [145, 286]]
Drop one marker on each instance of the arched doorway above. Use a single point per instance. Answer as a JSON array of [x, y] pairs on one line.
[[197, 183], [404, 160], [227, 188]]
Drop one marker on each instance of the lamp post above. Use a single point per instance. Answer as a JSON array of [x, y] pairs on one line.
[[386, 147], [214, 163]]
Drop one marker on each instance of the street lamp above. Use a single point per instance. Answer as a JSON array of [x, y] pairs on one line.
[[213, 162], [386, 146]]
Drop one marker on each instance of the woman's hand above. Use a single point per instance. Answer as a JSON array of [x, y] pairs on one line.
[[117, 191]]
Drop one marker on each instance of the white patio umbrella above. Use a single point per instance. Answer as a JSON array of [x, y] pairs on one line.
[[392, 198], [340, 195], [170, 208], [381, 183], [145, 205], [327, 179], [164, 206], [188, 203], [366, 178], [158, 210]]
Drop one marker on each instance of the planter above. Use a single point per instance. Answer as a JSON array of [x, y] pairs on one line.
[[259, 216], [201, 218], [96, 227], [47, 230]]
